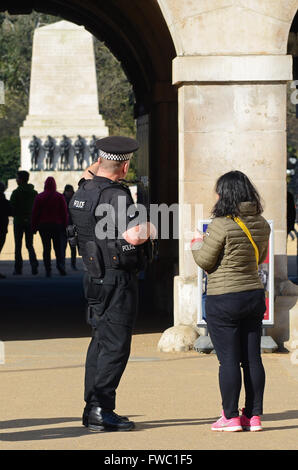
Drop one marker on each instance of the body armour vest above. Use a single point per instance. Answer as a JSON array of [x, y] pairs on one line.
[[99, 253]]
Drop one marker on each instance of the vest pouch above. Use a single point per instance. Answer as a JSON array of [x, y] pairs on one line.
[[93, 260], [113, 254]]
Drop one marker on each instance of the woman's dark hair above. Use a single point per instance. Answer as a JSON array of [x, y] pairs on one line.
[[232, 188]]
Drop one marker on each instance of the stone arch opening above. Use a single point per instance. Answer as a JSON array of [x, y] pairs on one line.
[[138, 36]]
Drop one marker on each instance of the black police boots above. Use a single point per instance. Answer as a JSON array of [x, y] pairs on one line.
[[99, 419], [86, 412]]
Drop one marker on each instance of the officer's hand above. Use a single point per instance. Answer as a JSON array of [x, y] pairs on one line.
[[140, 233], [93, 168]]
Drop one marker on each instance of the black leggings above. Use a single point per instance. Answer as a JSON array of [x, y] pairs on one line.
[[234, 322], [52, 233], [3, 233]]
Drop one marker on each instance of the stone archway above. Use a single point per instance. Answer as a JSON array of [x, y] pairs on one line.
[[231, 72], [138, 36]]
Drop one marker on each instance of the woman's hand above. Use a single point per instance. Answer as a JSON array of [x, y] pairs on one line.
[[198, 237]]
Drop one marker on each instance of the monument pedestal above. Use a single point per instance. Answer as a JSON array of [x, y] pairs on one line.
[[63, 95]]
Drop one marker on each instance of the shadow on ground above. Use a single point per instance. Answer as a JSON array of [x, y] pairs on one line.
[[78, 430], [36, 307]]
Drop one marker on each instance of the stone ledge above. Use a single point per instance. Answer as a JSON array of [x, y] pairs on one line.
[[248, 68]]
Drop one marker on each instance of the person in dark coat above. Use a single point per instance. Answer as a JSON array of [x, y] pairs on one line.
[[5, 212], [49, 217], [21, 202]]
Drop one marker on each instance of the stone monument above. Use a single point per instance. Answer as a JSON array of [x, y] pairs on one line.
[[63, 105]]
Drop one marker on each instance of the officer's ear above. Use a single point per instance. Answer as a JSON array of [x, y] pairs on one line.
[[126, 167]]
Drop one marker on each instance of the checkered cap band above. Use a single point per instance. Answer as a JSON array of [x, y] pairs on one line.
[[120, 157]]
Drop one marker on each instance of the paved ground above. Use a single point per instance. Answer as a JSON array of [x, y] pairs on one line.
[[173, 398]]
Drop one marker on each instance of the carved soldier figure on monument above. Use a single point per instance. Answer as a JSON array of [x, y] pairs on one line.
[[34, 150], [79, 152], [49, 147], [93, 149], [64, 153]]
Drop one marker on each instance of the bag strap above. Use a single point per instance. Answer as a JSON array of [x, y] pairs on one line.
[[247, 232]]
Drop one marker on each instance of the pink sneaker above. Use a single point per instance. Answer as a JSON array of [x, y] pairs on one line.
[[224, 424], [250, 424]]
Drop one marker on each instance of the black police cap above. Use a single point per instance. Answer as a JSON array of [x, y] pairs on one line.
[[117, 147]]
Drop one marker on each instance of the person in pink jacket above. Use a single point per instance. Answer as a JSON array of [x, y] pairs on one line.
[[49, 217]]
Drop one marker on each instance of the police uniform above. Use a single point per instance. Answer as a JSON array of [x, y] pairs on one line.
[[110, 285]]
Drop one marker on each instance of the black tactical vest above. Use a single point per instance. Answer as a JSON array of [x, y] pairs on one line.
[[110, 253]]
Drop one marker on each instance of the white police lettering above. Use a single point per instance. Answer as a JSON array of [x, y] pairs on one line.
[[79, 204], [128, 247]]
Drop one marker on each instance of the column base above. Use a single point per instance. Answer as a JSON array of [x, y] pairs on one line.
[[178, 338]]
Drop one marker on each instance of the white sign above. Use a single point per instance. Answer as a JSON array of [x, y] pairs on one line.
[[266, 273]]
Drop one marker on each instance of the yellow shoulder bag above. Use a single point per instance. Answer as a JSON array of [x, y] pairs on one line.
[[247, 232]]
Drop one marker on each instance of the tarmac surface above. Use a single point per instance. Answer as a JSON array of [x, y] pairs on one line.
[[172, 397]]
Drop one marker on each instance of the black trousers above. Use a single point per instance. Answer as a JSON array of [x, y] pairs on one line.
[[73, 249], [234, 322], [52, 233], [19, 231], [3, 233], [112, 307]]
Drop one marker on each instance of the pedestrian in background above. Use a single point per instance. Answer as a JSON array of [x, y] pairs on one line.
[[68, 193], [49, 217], [235, 243], [21, 202], [5, 212]]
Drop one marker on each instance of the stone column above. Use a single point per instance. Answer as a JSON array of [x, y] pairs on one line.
[[232, 116]]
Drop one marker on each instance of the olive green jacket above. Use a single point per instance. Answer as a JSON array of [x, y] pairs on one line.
[[227, 254]]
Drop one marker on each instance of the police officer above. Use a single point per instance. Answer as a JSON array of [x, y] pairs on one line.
[[111, 259]]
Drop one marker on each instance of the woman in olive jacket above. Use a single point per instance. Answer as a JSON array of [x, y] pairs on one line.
[[235, 302]]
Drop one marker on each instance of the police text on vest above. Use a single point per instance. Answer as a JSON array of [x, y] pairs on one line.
[[79, 204]]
